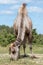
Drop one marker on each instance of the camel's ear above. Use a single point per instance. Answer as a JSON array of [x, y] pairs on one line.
[[9, 50], [13, 45]]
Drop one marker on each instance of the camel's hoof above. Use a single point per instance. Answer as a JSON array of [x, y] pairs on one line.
[[11, 59], [24, 55]]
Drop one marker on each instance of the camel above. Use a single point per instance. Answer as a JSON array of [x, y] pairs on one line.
[[23, 30]]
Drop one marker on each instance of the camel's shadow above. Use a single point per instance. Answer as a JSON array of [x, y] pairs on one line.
[[28, 56], [24, 56]]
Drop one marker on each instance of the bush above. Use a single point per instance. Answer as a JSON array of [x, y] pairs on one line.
[[7, 36]]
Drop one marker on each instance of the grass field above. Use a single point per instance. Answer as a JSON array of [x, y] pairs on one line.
[[37, 50]]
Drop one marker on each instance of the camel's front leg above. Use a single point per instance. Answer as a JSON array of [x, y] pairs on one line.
[[24, 45], [19, 52], [30, 42], [30, 46]]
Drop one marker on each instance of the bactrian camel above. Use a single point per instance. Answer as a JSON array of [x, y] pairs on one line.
[[23, 30]]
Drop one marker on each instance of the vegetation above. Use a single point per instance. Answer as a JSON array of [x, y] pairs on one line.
[[37, 50], [7, 36]]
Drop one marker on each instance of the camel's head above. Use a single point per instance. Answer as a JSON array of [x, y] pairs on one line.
[[14, 51]]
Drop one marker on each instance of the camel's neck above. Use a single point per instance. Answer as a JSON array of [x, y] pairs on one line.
[[22, 17], [18, 42], [20, 31]]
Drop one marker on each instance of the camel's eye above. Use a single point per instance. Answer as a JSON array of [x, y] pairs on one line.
[[18, 46], [13, 52]]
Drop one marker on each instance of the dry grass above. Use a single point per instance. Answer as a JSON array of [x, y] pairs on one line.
[[38, 50]]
